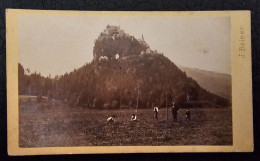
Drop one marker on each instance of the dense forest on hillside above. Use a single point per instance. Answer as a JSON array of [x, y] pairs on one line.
[[125, 73]]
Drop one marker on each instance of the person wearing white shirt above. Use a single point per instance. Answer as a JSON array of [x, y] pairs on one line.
[[156, 110], [133, 118], [111, 119]]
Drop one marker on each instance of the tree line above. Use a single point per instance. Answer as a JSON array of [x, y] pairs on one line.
[[143, 80]]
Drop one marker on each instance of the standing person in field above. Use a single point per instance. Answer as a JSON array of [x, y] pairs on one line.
[[111, 119], [133, 118], [187, 118], [156, 110], [174, 112]]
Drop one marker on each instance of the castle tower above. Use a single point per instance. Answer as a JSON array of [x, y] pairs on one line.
[[142, 37]]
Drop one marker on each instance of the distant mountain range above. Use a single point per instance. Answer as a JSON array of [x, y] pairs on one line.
[[217, 83]]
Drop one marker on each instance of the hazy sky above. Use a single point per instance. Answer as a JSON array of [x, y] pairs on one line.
[[53, 44]]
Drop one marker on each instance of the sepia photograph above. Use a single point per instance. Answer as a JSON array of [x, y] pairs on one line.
[[108, 81], [130, 80]]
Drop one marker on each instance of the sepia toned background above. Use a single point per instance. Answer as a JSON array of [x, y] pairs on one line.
[[127, 73], [235, 112]]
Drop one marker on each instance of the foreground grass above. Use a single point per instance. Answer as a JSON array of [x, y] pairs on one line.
[[54, 124]]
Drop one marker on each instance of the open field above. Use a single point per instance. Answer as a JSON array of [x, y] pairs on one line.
[[52, 124]]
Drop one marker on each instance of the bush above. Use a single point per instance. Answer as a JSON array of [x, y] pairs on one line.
[[97, 103], [180, 99], [106, 106], [115, 104]]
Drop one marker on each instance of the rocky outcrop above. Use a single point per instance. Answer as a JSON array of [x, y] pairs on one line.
[[114, 43]]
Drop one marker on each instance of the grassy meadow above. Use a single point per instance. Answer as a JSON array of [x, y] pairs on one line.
[[53, 124]]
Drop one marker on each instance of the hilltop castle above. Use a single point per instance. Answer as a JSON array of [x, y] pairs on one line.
[[114, 32], [114, 43]]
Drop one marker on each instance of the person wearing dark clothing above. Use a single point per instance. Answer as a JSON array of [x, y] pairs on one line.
[[187, 115], [174, 112]]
